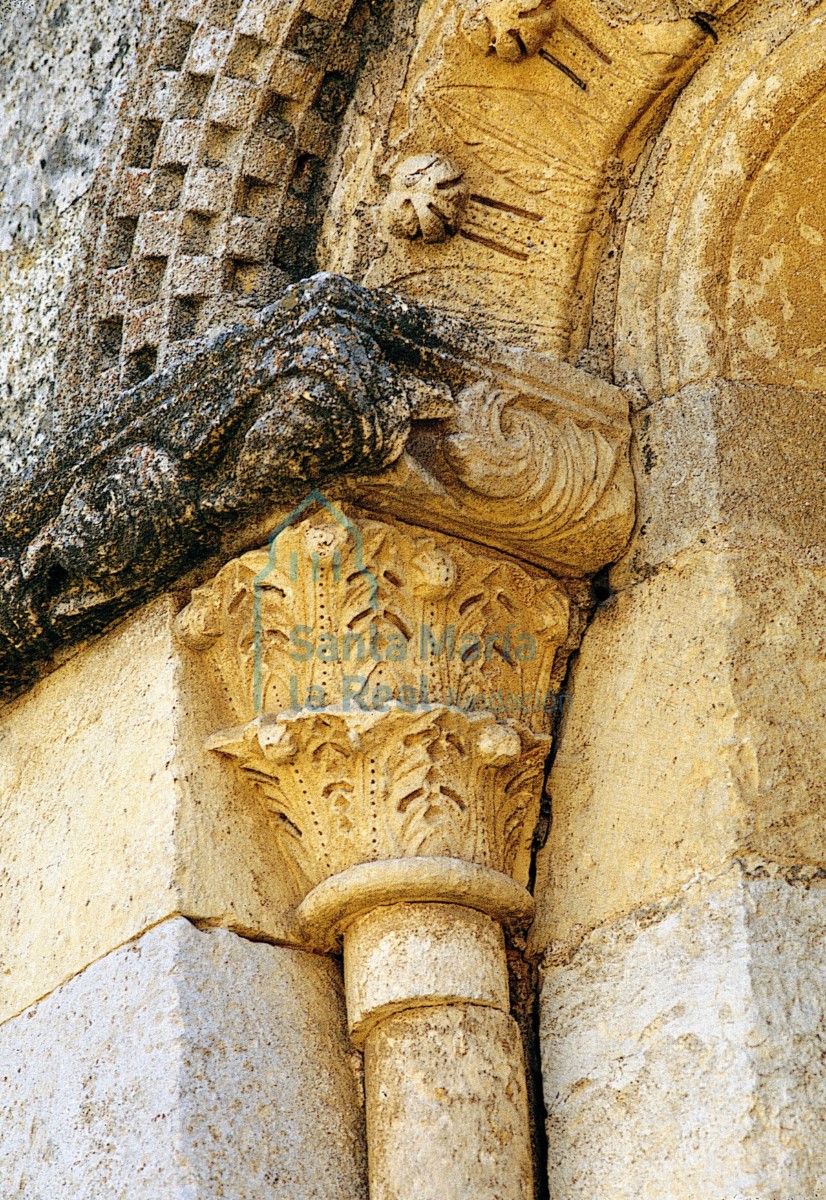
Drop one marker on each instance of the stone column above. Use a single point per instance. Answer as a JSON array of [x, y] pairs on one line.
[[427, 998], [399, 743]]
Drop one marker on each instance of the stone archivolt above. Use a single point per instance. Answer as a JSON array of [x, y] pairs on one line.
[[542, 107], [721, 273]]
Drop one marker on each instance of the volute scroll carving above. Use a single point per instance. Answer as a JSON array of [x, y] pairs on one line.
[[540, 472]]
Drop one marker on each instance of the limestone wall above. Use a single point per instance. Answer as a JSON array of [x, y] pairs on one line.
[[630, 224], [66, 68], [682, 883]]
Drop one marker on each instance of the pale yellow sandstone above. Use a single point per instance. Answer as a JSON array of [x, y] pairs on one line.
[[732, 466], [403, 956], [113, 818], [682, 1047], [694, 735], [720, 269], [447, 1109]]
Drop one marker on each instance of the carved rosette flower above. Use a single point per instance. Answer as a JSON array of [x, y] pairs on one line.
[[427, 199], [510, 29]]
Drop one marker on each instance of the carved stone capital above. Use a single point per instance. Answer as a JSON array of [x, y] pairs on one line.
[[347, 788], [361, 613], [394, 690], [391, 687]]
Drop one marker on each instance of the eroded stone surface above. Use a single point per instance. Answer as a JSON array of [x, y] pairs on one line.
[[682, 1049], [126, 501], [447, 1107], [65, 68], [190, 1064], [694, 733], [707, 283]]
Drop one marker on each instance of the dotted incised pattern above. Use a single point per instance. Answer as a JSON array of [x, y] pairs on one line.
[[233, 116]]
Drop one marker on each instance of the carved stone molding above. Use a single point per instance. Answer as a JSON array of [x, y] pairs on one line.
[[532, 460], [324, 383], [704, 291], [330, 383], [216, 159], [544, 106]]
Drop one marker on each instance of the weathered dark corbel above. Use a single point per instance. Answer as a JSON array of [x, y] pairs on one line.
[[416, 416], [324, 384]]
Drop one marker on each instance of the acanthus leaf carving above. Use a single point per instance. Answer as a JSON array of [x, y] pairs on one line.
[[449, 625], [347, 788], [406, 691]]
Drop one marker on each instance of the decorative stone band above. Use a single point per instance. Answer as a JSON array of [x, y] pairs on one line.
[[334, 905], [216, 157]]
